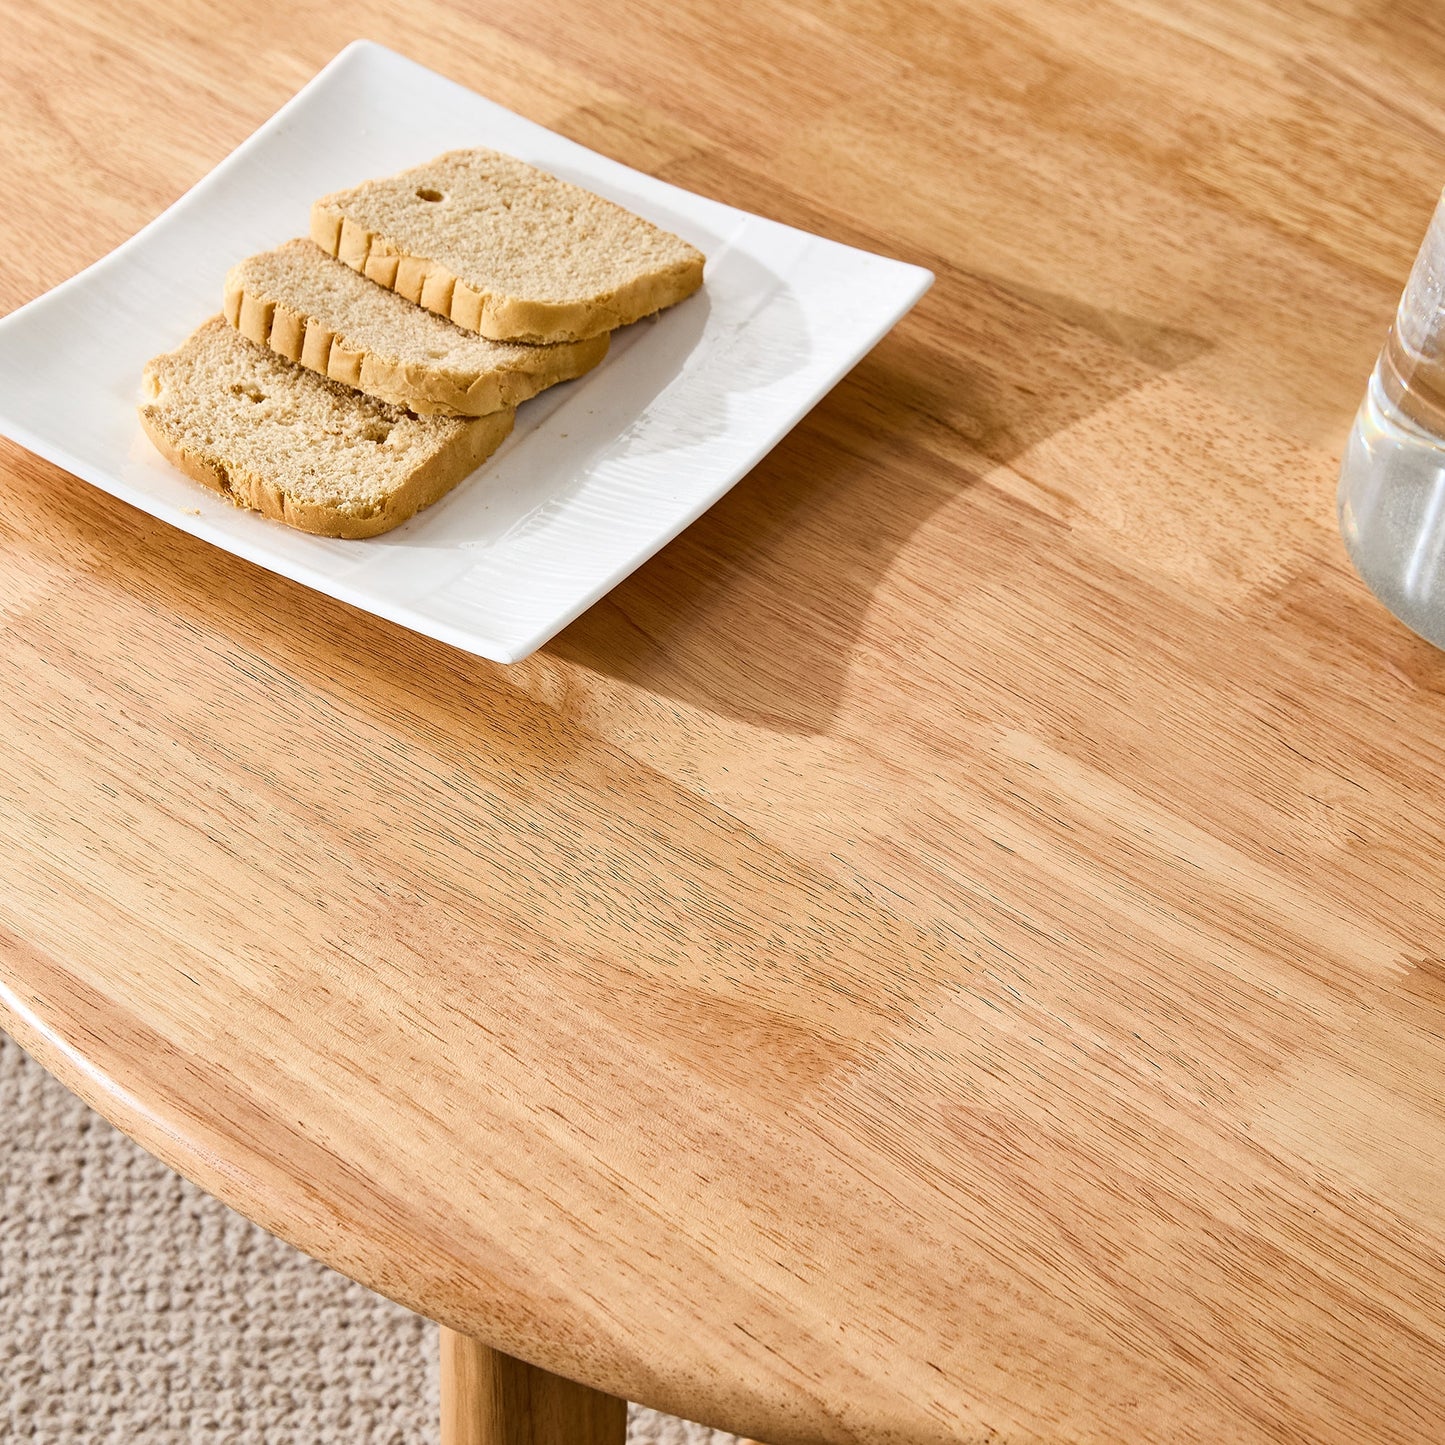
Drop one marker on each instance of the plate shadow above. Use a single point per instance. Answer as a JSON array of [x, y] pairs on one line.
[[758, 610]]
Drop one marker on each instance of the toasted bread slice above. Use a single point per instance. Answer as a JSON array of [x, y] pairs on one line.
[[312, 309], [505, 249], [277, 438]]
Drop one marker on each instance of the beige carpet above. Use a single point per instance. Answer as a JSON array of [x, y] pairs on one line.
[[137, 1310]]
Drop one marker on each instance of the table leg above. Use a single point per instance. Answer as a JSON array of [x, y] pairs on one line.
[[488, 1398]]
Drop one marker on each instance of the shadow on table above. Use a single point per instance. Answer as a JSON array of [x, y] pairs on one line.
[[759, 608]]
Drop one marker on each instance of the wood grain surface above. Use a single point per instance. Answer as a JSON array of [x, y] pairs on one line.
[[951, 950]]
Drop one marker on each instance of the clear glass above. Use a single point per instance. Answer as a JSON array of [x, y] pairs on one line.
[[1392, 479]]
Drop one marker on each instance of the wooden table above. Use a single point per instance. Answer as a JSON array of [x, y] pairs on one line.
[[949, 951]]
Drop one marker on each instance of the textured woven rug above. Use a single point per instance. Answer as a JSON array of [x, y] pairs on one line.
[[135, 1308]]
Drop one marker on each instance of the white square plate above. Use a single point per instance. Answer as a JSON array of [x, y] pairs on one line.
[[598, 473]]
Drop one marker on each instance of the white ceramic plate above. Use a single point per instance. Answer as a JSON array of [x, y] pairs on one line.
[[597, 475]]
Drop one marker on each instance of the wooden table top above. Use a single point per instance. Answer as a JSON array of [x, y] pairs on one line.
[[951, 950]]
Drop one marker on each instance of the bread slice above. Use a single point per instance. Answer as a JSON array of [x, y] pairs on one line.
[[310, 452], [505, 249], [311, 308]]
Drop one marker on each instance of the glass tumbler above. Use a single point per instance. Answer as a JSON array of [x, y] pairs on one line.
[[1392, 479]]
